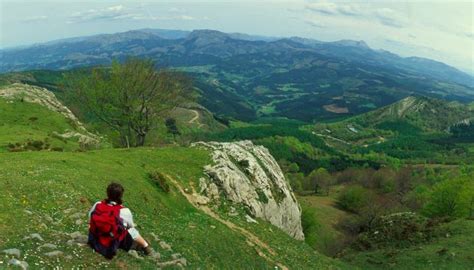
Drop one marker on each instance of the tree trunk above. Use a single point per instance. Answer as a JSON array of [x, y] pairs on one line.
[[140, 139], [124, 140], [127, 141]]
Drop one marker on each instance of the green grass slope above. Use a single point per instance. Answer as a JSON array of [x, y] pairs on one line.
[[48, 184], [450, 248], [320, 218], [454, 250], [49, 193], [21, 122]]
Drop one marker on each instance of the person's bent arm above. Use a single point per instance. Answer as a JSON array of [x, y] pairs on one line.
[[92, 210]]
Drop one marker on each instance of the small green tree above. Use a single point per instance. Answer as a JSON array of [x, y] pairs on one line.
[[451, 198], [131, 98], [466, 200], [296, 181], [321, 180], [293, 168], [172, 128], [354, 198]]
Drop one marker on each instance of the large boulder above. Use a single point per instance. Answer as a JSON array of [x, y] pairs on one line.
[[248, 174]]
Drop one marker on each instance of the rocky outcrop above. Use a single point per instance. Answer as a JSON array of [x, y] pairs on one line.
[[249, 175], [46, 98]]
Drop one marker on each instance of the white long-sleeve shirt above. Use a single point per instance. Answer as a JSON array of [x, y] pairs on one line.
[[127, 219]]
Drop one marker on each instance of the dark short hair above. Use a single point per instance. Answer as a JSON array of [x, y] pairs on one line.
[[115, 192]]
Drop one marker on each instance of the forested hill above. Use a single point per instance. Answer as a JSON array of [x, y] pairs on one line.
[[245, 77], [427, 114]]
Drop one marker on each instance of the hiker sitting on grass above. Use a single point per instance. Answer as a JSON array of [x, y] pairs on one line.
[[111, 226]]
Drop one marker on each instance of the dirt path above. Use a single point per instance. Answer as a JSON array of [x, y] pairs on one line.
[[381, 139], [252, 239], [331, 137], [195, 118]]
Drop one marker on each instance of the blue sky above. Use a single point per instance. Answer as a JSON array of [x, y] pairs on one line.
[[441, 30]]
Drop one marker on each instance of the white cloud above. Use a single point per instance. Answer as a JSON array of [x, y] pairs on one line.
[[115, 8], [163, 18], [437, 30], [389, 17], [119, 12], [108, 13], [314, 23], [324, 8], [385, 16], [186, 17], [332, 8], [176, 10], [34, 19]]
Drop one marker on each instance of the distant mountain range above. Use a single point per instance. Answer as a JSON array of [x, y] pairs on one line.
[[244, 76]]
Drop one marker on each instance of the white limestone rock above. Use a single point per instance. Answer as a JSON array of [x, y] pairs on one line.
[[48, 246], [34, 236], [55, 253], [12, 252], [22, 264], [248, 174]]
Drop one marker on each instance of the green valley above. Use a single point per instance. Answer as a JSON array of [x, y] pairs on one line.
[[235, 151]]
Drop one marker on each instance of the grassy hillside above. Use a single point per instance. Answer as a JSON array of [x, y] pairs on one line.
[[48, 184], [22, 122], [416, 129], [49, 193], [454, 250], [451, 248], [320, 217], [407, 117], [427, 114]]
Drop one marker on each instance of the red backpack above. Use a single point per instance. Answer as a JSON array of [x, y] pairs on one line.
[[106, 229]]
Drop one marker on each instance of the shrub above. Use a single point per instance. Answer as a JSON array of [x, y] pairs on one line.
[[417, 198], [354, 198], [296, 181], [293, 168], [466, 201], [35, 145], [310, 225], [384, 180], [160, 180], [365, 218], [388, 185], [398, 229], [171, 126], [451, 198]]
